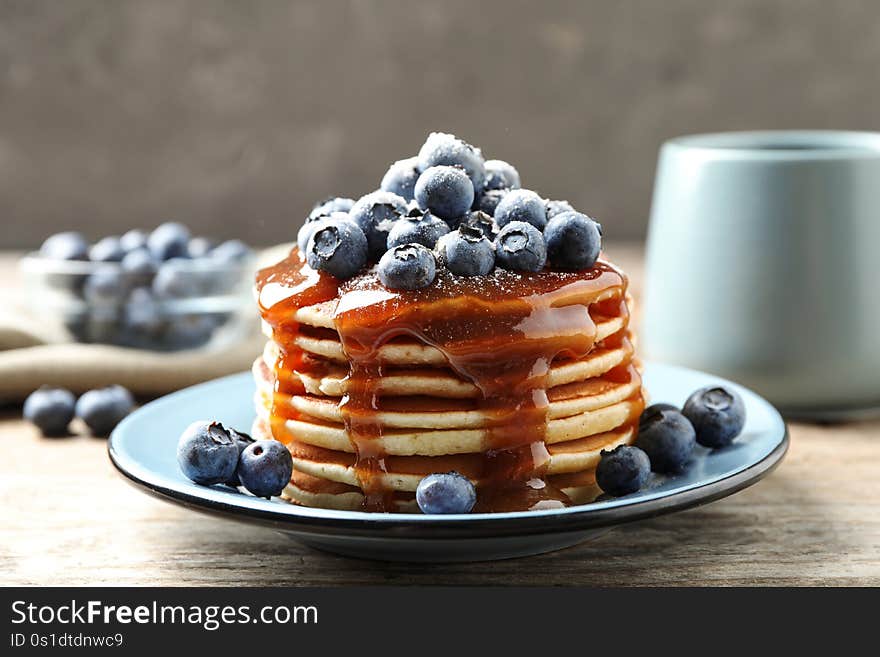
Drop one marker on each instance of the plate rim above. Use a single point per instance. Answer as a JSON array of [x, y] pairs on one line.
[[577, 518]]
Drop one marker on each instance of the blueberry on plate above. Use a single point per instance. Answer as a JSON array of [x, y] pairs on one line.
[[668, 438], [230, 251], [401, 178], [521, 205], [375, 214], [102, 409], [207, 453], [417, 227], [243, 441], [50, 409], [174, 281], [489, 200], [338, 248], [199, 247], [449, 492], [501, 175], [407, 267], [106, 285], [557, 207], [445, 190], [330, 205], [573, 241], [717, 413], [69, 245], [107, 249], [468, 253], [169, 240], [139, 263], [442, 149], [264, 468], [623, 470], [520, 247], [133, 239]]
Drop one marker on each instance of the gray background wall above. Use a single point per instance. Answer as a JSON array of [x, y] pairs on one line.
[[235, 116]]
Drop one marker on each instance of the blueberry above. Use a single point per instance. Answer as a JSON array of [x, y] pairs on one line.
[[142, 312], [242, 441], [106, 285], [330, 205], [468, 252], [102, 409], [170, 240], [133, 239], [407, 267], [189, 331], [573, 241], [521, 205], [446, 493], [489, 200], [401, 178], [668, 438], [623, 470], [305, 232], [139, 263], [445, 149], [207, 453], [337, 247], [65, 246], [231, 252], [174, 281], [418, 227], [717, 413], [265, 467], [446, 191], [375, 214], [557, 207], [50, 409], [108, 249], [199, 247], [480, 220], [520, 247], [501, 175], [660, 407]]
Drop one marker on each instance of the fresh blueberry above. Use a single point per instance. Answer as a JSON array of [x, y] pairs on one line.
[[170, 240], [189, 331], [401, 178], [65, 246], [489, 200], [501, 175], [468, 252], [338, 248], [330, 205], [446, 493], [108, 249], [133, 239], [446, 191], [102, 409], [375, 214], [50, 409], [407, 267], [418, 227], [557, 207], [521, 205], [520, 247], [106, 285], [140, 263], [717, 413], [231, 252], [265, 467], [142, 312], [573, 241], [623, 470], [305, 232], [199, 247], [668, 438], [477, 219], [441, 149], [175, 281], [243, 441], [660, 407], [207, 453]]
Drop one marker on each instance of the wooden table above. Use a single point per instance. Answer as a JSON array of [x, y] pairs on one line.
[[69, 519]]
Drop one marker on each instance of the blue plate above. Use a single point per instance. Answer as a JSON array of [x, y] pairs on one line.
[[143, 448]]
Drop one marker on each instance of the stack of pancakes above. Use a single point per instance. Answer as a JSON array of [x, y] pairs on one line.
[[427, 415]]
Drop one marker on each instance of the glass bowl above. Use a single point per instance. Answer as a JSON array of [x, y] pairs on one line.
[[211, 302]]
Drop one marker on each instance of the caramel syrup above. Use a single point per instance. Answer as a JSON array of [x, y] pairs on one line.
[[500, 332]]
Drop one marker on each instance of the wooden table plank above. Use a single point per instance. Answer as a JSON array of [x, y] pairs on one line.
[[69, 519]]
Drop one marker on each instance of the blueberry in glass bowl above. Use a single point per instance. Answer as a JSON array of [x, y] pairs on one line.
[[169, 297]]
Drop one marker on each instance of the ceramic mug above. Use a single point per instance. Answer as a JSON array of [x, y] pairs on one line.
[[763, 265]]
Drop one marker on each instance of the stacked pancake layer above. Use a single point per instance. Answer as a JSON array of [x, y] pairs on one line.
[[518, 383]]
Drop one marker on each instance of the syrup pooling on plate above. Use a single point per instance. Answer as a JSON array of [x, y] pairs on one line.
[[501, 332]]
